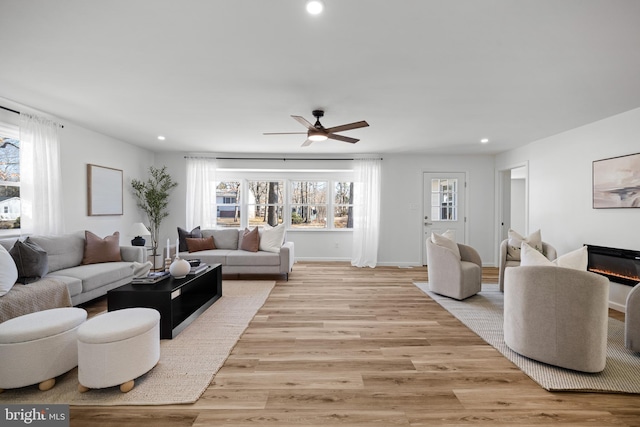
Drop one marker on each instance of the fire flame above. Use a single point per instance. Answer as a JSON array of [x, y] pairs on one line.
[[628, 276]]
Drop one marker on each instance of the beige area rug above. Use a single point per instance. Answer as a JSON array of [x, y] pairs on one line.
[[482, 313], [187, 364]]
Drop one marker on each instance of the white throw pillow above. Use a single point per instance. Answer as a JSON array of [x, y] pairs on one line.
[[446, 240], [576, 260], [8, 271], [530, 256], [272, 238], [515, 242]]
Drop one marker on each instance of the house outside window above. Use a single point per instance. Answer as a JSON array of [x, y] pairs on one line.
[[228, 203], [9, 178]]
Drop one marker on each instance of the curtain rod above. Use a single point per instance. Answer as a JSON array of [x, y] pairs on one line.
[[18, 112], [284, 159]]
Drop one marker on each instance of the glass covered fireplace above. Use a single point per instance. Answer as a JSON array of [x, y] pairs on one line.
[[619, 265]]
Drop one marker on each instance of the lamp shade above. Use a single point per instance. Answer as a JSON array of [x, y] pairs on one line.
[[138, 230]]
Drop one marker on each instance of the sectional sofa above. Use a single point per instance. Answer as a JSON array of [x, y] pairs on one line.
[[83, 282]]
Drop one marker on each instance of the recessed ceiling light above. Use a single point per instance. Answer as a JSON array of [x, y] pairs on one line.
[[315, 7], [161, 138], [484, 140]]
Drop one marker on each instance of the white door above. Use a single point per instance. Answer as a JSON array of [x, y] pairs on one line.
[[443, 206]]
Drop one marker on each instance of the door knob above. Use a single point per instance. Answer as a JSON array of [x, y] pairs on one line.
[[428, 223]]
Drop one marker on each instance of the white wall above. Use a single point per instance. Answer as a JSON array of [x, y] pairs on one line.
[[79, 147], [560, 199], [401, 237]]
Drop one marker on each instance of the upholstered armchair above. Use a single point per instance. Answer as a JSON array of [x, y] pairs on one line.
[[548, 251], [557, 315], [453, 276], [632, 320]]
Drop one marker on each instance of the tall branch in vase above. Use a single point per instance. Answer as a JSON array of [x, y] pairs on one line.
[[152, 197]]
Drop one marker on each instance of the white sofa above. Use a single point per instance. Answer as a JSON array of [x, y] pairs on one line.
[[83, 282], [238, 261]]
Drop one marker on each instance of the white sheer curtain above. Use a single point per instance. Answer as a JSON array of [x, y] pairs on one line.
[[366, 221], [201, 193], [40, 176]]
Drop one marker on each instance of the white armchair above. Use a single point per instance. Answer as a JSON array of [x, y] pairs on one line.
[[632, 320], [454, 277], [548, 251], [557, 315]]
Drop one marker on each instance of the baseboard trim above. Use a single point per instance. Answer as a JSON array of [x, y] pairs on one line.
[[617, 307]]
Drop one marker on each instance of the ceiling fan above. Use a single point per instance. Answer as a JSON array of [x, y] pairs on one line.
[[317, 132]]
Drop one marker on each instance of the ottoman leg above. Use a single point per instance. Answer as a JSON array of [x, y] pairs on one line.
[[47, 384], [127, 387], [82, 389]]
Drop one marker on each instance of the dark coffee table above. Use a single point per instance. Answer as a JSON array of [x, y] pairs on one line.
[[179, 301]]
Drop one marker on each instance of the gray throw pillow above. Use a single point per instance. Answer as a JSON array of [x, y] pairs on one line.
[[183, 234], [30, 259]]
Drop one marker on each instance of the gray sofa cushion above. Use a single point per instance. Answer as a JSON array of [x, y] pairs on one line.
[[8, 242], [74, 285], [94, 276], [223, 238], [211, 256], [241, 257], [64, 251]]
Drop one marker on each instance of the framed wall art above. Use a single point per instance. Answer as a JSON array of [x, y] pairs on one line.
[[616, 182], [104, 190]]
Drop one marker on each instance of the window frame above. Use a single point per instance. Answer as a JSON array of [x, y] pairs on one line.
[[13, 132], [331, 177]]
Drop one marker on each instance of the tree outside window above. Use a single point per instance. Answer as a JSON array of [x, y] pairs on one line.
[[266, 202], [309, 204], [9, 182], [343, 205]]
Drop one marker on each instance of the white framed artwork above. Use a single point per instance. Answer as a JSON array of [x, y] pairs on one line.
[[104, 190]]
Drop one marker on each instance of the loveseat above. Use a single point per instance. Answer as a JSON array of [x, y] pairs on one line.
[[276, 259], [84, 282]]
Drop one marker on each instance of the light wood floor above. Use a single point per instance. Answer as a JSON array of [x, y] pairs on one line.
[[342, 346]]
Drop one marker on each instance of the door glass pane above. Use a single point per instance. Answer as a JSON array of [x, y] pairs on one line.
[[444, 199]]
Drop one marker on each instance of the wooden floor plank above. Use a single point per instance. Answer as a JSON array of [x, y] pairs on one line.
[[342, 346]]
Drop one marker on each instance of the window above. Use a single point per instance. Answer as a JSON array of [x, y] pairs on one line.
[[228, 203], [343, 205], [444, 199], [266, 202], [304, 200], [9, 179], [308, 204]]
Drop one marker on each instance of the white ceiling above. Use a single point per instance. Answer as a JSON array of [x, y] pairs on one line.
[[429, 76]]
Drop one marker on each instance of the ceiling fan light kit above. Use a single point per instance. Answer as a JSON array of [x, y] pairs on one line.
[[315, 7], [316, 132]]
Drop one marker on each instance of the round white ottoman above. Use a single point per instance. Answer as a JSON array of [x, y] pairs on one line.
[[37, 347], [117, 347]]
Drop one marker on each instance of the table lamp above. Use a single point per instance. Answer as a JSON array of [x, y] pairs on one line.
[[138, 229]]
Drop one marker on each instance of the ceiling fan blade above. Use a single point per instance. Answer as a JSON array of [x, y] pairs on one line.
[[304, 122], [342, 138], [342, 128], [284, 133], [306, 143]]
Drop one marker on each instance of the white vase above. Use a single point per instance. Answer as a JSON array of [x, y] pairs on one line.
[[179, 268]]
